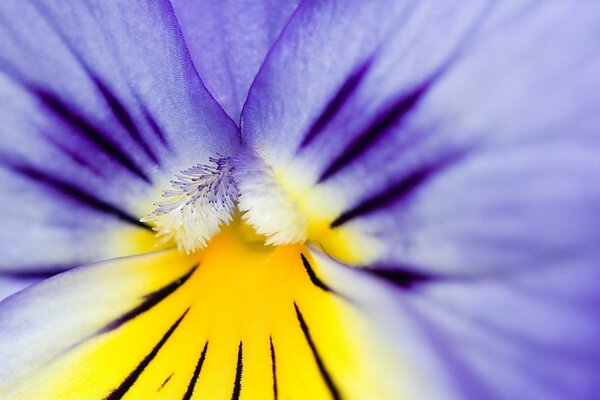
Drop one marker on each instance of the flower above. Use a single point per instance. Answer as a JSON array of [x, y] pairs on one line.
[[368, 200]]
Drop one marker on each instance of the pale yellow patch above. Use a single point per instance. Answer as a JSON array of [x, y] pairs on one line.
[[134, 240]]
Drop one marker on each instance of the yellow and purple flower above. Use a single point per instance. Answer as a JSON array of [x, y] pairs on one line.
[[289, 199]]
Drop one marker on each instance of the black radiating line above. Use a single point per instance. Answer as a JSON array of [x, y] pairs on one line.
[[333, 390], [192, 384], [273, 368], [72, 191], [162, 385], [119, 392], [336, 103], [313, 277], [150, 300], [394, 114], [237, 386], [89, 130]]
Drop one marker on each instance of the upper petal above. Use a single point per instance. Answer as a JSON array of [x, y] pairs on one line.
[[444, 139], [228, 41], [101, 105]]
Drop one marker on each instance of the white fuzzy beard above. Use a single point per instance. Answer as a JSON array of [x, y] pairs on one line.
[[202, 199], [265, 204]]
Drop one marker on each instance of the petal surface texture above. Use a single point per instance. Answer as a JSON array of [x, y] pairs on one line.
[[239, 320], [455, 138], [228, 41], [101, 105]]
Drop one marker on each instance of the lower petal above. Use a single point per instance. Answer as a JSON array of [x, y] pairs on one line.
[[450, 139], [246, 321], [239, 320]]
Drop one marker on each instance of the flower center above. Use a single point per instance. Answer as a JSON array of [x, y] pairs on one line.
[[204, 198]]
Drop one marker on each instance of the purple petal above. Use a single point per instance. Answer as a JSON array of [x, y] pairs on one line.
[[460, 138], [531, 335], [535, 333], [228, 41], [101, 105]]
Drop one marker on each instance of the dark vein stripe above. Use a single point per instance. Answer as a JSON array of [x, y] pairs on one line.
[[123, 116], [75, 156], [32, 273], [386, 197], [94, 133], [155, 127], [150, 300], [333, 390], [119, 110], [237, 385], [119, 392], [71, 191], [336, 103], [192, 384], [313, 277], [273, 368], [167, 380], [403, 278], [382, 123], [396, 192]]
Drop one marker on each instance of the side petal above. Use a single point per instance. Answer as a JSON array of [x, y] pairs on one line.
[[228, 41], [532, 335], [101, 105], [446, 139], [81, 310]]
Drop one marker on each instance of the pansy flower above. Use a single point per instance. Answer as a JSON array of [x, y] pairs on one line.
[[322, 199]]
